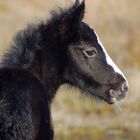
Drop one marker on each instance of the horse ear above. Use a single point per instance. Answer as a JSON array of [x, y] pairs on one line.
[[80, 9], [77, 2], [73, 18]]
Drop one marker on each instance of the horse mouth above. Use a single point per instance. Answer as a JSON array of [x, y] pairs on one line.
[[112, 96], [115, 96]]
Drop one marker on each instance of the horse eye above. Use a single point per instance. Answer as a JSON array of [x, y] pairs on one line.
[[90, 52]]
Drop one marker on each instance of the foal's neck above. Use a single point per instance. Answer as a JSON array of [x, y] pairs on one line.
[[30, 52]]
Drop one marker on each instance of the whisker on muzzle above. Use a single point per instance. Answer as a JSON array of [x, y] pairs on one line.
[[116, 103], [118, 106]]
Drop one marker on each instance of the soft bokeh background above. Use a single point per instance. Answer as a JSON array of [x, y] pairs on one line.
[[118, 24]]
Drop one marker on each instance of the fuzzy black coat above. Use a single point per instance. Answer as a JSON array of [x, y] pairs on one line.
[[30, 73]]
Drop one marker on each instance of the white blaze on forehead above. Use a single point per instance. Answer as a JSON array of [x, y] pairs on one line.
[[109, 60]]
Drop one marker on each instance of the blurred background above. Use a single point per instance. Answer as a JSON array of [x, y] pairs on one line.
[[117, 22]]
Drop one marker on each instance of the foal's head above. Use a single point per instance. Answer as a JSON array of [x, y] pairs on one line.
[[85, 62]]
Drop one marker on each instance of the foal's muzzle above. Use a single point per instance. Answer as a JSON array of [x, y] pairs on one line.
[[117, 91]]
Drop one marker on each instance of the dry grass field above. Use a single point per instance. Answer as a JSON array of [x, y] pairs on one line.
[[118, 24]]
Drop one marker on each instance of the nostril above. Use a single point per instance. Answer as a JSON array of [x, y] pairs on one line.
[[124, 87]]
